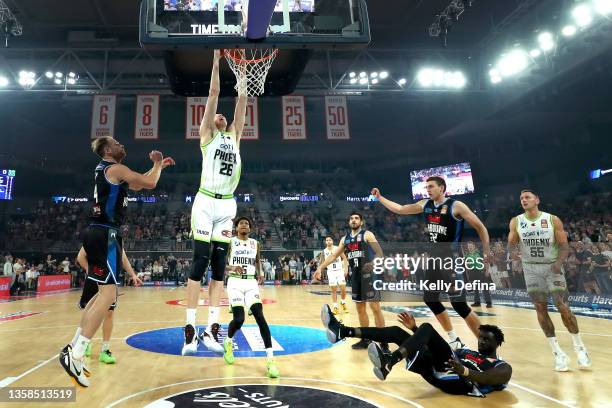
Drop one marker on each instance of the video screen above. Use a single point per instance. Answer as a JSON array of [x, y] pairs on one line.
[[458, 179], [306, 6], [6, 184]]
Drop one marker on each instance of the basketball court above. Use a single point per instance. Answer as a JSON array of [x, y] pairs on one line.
[[147, 339], [280, 39]]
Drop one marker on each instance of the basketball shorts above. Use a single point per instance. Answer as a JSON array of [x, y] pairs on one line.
[[243, 292], [336, 277], [90, 289], [104, 248], [212, 218], [362, 289], [540, 278]]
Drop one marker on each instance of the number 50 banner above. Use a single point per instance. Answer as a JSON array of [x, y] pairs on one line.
[[147, 117], [336, 116], [294, 118], [103, 115]]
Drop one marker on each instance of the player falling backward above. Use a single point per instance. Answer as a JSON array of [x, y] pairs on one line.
[[213, 210], [337, 272], [245, 273], [543, 249], [459, 372], [90, 290], [444, 219], [103, 243]]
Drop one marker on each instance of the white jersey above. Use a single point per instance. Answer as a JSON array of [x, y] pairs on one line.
[[243, 253], [337, 264], [221, 165], [537, 239]]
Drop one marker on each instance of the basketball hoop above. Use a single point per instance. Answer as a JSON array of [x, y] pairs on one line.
[[251, 67]]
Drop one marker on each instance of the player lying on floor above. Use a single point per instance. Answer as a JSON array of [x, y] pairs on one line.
[[463, 372]]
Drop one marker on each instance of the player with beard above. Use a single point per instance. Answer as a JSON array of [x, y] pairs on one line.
[[102, 240], [361, 248]]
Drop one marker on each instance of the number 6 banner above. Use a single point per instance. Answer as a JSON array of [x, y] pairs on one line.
[[193, 117], [147, 117], [294, 118], [103, 115], [336, 116]]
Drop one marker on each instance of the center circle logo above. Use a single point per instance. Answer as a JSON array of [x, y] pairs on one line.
[[260, 396], [247, 341]]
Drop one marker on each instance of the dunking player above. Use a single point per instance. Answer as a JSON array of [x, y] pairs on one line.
[[444, 217], [358, 245], [462, 372], [543, 247], [103, 242], [336, 274], [213, 210], [243, 292], [90, 290]]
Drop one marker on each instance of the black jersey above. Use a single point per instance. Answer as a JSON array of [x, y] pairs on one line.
[[110, 200], [442, 226], [357, 250], [479, 362]]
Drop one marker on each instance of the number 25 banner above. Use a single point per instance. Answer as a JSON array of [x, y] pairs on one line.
[[103, 115], [147, 117], [294, 118], [336, 118]]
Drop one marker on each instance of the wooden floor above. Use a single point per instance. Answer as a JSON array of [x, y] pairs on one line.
[[29, 347]]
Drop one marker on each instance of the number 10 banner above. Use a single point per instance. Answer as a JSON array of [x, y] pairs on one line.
[[294, 118], [147, 117], [336, 116], [193, 118]]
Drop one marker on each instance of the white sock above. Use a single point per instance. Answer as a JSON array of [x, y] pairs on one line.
[[577, 340], [342, 301], [191, 317], [335, 305], [269, 353], [78, 351], [213, 316], [105, 346], [554, 345], [76, 336], [452, 335]]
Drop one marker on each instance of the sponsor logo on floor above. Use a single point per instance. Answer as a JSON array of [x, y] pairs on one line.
[[260, 396], [17, 316], [204, 302], [247, 341]]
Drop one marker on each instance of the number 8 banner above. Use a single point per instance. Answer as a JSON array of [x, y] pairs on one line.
[[336, 115], [103, 115], [147, 117], [294, 118]]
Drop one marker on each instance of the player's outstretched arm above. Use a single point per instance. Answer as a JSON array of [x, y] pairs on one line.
[[239, 117], [207, 127], [408, 209]]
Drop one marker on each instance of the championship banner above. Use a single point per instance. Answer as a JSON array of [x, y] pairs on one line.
[[48, 283], [147, 117], [103, 115], [251, 122], [294, 118], [5, 286], [194, 113], [336, 115]]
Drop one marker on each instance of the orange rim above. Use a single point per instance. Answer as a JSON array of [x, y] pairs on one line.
[[237, 58]]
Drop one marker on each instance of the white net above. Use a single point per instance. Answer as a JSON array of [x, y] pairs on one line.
[[251, 67]]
